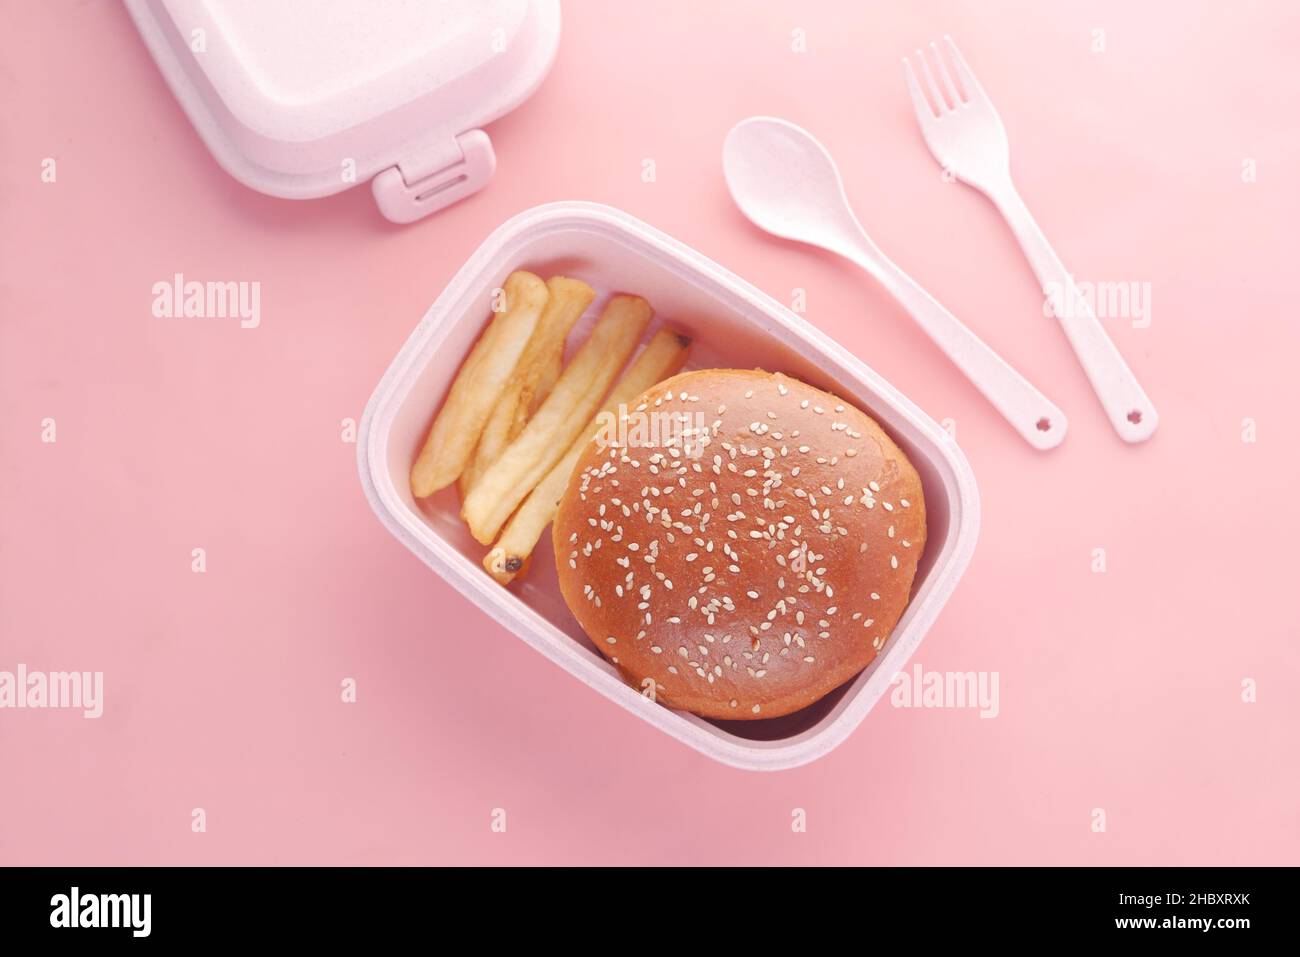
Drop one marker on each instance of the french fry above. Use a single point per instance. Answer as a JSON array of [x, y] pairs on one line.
[[478, 385], [550, 376], [522, 415], [562, 416], [662, 358], [465, 481], [567, 300], [506, 577]]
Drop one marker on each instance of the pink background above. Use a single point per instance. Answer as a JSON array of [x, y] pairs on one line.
[[1119, 691]]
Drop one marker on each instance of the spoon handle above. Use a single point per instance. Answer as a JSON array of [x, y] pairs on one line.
[[1032, 414]]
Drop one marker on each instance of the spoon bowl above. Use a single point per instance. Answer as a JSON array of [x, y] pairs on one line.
[[787, 184]]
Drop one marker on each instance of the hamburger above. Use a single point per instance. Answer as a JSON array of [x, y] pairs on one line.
[[739, 543]]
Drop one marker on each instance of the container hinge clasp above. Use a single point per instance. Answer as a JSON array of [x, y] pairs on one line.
[[404, 202]]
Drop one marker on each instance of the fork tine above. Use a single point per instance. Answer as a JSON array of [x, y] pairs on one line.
[[971, 85], [930, 85], [924, 112], [947, 80]]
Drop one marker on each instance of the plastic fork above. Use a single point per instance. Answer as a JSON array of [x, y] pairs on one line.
[[966, 136]]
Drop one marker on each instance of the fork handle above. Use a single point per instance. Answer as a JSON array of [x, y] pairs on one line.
[[1032, 414], [1130, 411]]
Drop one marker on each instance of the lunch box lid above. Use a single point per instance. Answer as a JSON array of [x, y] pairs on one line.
[[306, 98]]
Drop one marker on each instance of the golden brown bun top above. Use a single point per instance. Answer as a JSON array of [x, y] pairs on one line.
[[748, 550]]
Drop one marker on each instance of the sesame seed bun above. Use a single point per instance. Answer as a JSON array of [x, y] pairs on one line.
[[748, 561]]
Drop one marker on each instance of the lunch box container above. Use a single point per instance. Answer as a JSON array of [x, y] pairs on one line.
[[306, 98], [733, 325]]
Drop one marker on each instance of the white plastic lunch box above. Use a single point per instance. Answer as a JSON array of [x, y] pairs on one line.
[[305, 98], [733, 325]]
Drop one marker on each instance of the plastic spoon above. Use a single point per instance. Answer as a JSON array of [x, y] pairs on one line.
[[787, 184]]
